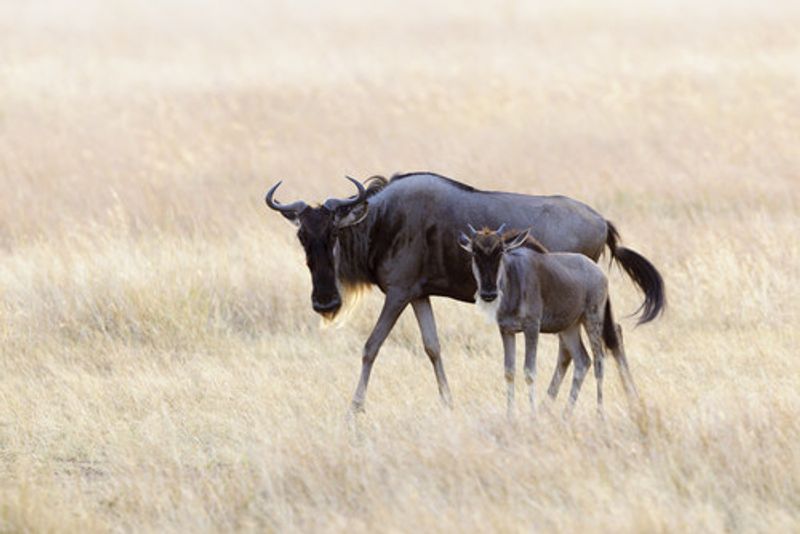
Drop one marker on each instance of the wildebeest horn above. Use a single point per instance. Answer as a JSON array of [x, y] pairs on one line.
[[295, 207], [334, 203], [500, 230], [472, 230]]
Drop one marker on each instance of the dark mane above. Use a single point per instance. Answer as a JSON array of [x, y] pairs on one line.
[[357, 256], [454, 183], [375, 184], [354, 267]]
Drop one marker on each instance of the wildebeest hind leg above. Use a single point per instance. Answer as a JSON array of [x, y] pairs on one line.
[[594, 328], [624, 371], [430, 340]]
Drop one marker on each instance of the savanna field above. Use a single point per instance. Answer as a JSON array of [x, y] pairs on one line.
[[161, 368]]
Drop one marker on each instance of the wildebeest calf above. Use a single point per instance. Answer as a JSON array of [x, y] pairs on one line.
[[530, 290]]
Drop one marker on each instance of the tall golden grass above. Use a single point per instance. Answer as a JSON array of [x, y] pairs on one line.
[[161, 368]]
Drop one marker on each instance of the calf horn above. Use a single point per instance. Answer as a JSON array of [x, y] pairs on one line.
[[294, 207], [334, 203]]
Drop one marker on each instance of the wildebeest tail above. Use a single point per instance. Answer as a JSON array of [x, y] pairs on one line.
[[609, 329], [643, 274]]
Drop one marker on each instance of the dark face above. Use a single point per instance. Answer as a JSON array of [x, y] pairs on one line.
[[487, 248], [487, 252], [317, 234]]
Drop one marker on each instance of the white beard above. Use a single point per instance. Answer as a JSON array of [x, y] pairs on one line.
[[350, 295], [489, 309]]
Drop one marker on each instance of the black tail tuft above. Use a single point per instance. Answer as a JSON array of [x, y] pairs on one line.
[[609, 328], [643, 274], [612, 238]]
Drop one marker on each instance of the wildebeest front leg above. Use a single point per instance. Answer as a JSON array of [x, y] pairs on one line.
[[430, 340], [393, 306], [531, 341], [510, 350]]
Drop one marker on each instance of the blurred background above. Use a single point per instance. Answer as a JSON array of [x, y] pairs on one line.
[[161, 368], [179, 115]]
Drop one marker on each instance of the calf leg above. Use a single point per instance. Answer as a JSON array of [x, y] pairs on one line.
[[625, 374], [572, 340], [509, 350], [564, 359], [393, 306], [594, 329], [531, 341], [430, 340]]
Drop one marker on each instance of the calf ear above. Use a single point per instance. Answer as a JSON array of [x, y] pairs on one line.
[[516, 241], [357, 214], [464, 242]]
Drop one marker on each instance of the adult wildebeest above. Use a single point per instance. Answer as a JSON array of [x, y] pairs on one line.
[[401, 235], [530, 290]]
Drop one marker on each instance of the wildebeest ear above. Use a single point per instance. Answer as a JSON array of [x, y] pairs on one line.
[[516, 241], [464, 242], [357, 214], [293, 217]]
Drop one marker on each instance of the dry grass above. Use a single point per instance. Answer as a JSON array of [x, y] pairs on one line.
[[161, 368]]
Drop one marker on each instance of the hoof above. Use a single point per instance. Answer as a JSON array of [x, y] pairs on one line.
[[357, 408], [447, 402]]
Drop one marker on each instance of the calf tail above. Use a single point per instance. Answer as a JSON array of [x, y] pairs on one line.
[[643, 274], [610, 337]]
